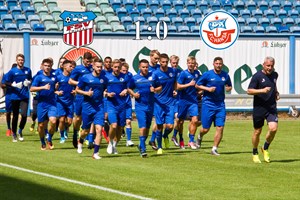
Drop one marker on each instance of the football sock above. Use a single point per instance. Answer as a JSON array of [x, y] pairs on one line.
[[8, 119], [20, 132], [81, 140], [175, 132], [96, 148], [153, 136], [43, 141], [50, 137], [128, 132], [166, 133], [62, 134], [159, 139], [214, 148], [255, 151], [180, 137], [143, 143], [266, 145], [75, 132], [90, 137], [192, 138]]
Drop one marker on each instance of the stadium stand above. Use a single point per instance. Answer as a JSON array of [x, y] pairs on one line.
[[258, 29]]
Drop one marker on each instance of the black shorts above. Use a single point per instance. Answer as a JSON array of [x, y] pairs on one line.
[[260, 115]]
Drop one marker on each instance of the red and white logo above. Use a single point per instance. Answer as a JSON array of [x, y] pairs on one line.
[[219, 30]]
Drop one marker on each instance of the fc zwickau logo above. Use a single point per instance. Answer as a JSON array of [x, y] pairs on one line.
[[78, 28], [219, 30]]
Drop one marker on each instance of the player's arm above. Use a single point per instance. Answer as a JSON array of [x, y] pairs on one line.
[[183, 86], [86, 93], [39, 88], [252, 91], [73, 82]]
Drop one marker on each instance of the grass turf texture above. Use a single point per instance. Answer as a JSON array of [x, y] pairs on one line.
[[177, 174]]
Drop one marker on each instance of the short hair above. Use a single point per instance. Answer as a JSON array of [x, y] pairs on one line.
[[14, 65], [20, 55], [73, 63], [125, 65], [115, 61], [190, 58], [47, 60], [97, 60], [51, 60], [87, 55], [155, 51], [62, 58], [67, 62], [164, 55], [174, 57], [108, 57], [143, 61], [122, 59], [270, 59], [218, 58]]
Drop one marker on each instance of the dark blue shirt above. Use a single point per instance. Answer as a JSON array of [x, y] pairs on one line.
[[63, 85]]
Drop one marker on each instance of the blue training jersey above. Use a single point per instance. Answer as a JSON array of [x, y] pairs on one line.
[[46, 96], [78, 72], [98, 84], [188, 95], [153, 68], [128, 100], [8, 88], [167, 80], [142, 84], [19, 75], [63, 85], [117, 84], [211, 79]]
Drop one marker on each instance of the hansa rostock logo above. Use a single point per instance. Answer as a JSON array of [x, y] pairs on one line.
[[219, 30]]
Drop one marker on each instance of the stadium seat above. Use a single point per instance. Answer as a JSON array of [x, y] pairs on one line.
[[108, 12], [153, 4], [38, 27], [286, 5], [257, 14], [126, 20], [258, 29], [206, 11], [288, 22], [140, 19], [20, 19], [10, 27], [183, 13], [25, 27], [103, 4], [6, 18], [146, 12], [297, 21], [128, 4], [172, 29], [241, 21], [144, 29], [281, 14], [90, 4], [59, 22], [105, 28], [1, 27], [295, 29], [195, 29], [276, 22], [134, 12], [51, 27], [24, 3], [246, 29], [152, 21], [37, 3], [2, 3], [56, 11], [3, 10], [165, 19], [33, 19], [227, 5], [29, 11], [234, 12], [118, 28], [121, 12], [215, 5], [274, 5], [115, 4], [190, 21], [97, 11], [264, 22], [160, 13], [252, 21], [42, 11], [100, 20], [47, 19], [51, 4], [15, 10], [283, 29], [165, 4], [293, 13], [178, 4], [269, 14], [177, 21], [131, 28], [202, 4], [245, 13], [271, 29], [141, 4], [199, 21], [250, 5], [11, 3], [183, 29], [296, 5], [239, 5], [113, 20], [190, 4], [171, 13], [263, 5], [196, 13]]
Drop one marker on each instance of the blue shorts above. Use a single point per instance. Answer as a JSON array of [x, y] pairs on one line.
[[184, 109], [45, 111], [91, 115], [199, 110], [144, 118], [176, 107], [163, 114], [116, 116], [216, 115], [78, 105], [8, 105], [105, 104], [64, 111], [129, 112]]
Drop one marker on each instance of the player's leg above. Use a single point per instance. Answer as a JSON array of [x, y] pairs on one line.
[[42, 118], [159, 120], [15, 107], [99, 122], [87, 120], [176, 121], [142, 122], [112, 117], [121, 121], [52, 113], [61, 113], [33, 114], [182, 114], [77, 119], [154, 129], [193, 113], [8, 108], [169, 125], [220, 123], [24, 109], [206, 122]]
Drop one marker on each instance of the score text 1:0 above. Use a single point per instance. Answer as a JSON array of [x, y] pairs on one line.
[[157, 30]]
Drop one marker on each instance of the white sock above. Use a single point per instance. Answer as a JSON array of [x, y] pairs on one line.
[[214, 148]]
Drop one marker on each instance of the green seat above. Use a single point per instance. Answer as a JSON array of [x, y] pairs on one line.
[[108, 12], [113, 20], [55, 11], [47, 19], [103, 3], [42, 11], [38, 3], [52, 27], [100, 20], [51, 3], [59, 22], [105, 28], [90, 4], [97, 11], [118, 28]]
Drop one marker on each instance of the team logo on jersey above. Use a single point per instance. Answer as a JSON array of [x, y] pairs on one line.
[[150, 78], [223, 78], [219, 30], [263, 80], [196, 75], [53, 79], [78, 28], [101, 81], [170, 74], [121, 79], [26, 72]]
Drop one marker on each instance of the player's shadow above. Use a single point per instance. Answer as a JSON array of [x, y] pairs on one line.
[[286, 160], [236, 152]]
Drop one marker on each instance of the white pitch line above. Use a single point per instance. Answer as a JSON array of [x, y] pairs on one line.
[[75, 182]]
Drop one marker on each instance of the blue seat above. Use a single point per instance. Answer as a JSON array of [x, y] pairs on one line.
[[252, 21], [115, 4], [234, 12], [281, 14], [196, 13], [257, 14], [121, 12], [251, 5], [131, 28], [146, 12], [271, 29], [293, 13], [171, 13], [297, 21], [6, 18], [227, 5], [1, 27], [144, 29], [178, 4], [24, 3], [286, 5], [11, 3], [183, 29], [199, 21], [177, 21], [153, 4], [263, 5], [24, 27], [202, 4], [246, 29], [206, 11], [2, 3], [29, 11], [159, 12], [264, 22], [283, 29], [258, 29], [245, 13], [215, 5], [274, 5], [165, 19], [15, 10], [3, 10], [190, 21], [296, 5], [241, 21], [126, 20], [20, 19], [276, 22], [269, 14], [195, 29], [172, 29], [152, 21], [141, 4], [295, 29], [183, 13], [239, 5], [190, 4], [38, 27], [128, 4], [141, 19], [165, 4], [33, 19], [134, 12], [288, 22], [10, 27]]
